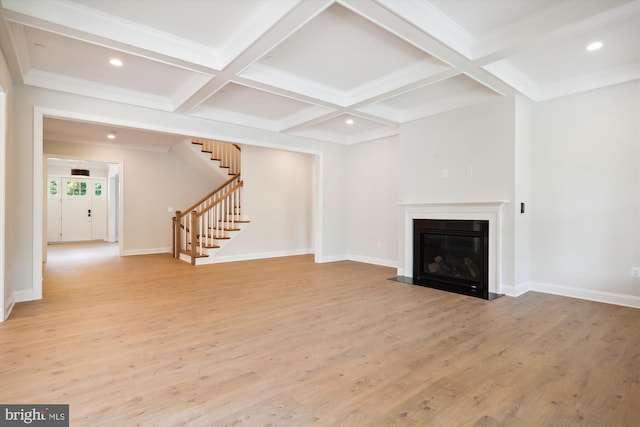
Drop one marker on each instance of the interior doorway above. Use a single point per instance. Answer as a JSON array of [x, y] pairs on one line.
[[81, 208]]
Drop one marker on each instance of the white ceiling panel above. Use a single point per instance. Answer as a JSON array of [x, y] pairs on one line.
[[245, 105], [479, 17], [565, 67], [206, 22], [347, 129], [83, 61], [254, 102], [444, 95], [570, 58], [341, 50]]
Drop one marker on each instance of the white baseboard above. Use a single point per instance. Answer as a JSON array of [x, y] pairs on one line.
[[149, 251], [8, 306], [24, 295], [375, 261], [587, 294], [260, 255], [333, 258], [516, 290]]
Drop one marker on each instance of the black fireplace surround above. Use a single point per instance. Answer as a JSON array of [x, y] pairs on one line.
[[452, 255]]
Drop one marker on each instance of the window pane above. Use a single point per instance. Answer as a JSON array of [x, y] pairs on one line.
[[53, 187], [98, 189], [83, 188], [69, 188]]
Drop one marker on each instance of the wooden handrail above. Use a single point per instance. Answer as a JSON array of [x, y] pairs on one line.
[[211, 194]]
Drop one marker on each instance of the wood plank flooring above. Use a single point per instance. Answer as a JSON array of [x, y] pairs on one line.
[[151, 341]]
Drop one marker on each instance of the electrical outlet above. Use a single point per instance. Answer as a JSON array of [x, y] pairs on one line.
[[635, 272]]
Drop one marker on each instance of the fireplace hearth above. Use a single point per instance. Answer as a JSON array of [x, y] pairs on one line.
[[452, 255]]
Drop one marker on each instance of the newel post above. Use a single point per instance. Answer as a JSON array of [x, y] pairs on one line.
[[176, 234], [194, 231]]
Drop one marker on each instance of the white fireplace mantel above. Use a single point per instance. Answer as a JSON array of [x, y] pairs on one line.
[[470, 210]]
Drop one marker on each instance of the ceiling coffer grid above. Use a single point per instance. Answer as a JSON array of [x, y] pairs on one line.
[[304, 67]]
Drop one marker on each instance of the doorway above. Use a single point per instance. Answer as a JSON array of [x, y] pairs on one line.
[[80, 208]]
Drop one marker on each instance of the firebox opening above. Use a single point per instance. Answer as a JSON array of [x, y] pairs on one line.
[[452, 255]]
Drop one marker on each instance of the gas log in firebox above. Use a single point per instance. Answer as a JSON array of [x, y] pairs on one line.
[[452, 255]]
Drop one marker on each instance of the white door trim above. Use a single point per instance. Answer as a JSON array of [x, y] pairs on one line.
[[39, 241], [39, 195]]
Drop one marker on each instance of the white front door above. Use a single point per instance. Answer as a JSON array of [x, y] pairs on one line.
[[76, 210]]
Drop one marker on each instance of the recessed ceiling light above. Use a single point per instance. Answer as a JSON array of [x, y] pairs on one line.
[[115, 62], [349, 121], [112, 135], [594, 46]]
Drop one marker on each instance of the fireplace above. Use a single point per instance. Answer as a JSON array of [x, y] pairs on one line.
[[452, 255], [479, 210]]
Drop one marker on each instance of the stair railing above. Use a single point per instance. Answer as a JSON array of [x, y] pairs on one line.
[[196, 228]]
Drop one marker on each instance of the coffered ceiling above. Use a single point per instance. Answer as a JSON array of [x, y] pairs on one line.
[[306, 67]]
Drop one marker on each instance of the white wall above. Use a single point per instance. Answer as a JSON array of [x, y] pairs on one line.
[[277, 196], [65, 171], [481, 137], [586, 194], [372, 203]]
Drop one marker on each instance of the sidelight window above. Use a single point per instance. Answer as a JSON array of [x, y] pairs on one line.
[[53, 187]]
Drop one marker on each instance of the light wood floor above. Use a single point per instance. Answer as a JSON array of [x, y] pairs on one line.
[[151, 341]]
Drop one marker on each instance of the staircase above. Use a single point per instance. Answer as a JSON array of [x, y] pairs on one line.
[[201, 230]]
